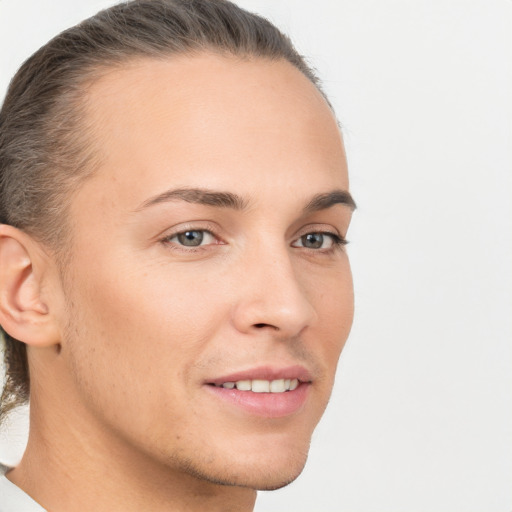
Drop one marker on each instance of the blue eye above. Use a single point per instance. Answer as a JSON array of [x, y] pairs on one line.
[[192, 238], [319, 240]]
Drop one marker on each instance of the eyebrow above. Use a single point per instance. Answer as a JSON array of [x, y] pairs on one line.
[[233, 201], [199, 196], [325, 201]]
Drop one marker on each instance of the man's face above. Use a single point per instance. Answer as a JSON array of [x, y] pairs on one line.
[[205, 254]]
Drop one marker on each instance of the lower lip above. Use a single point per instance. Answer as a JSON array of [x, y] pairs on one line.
[[268, 405]]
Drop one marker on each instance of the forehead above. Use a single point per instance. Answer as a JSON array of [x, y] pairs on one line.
[[212, 119]]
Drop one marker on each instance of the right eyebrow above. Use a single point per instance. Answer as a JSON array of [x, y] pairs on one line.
[[324, 201], [206, 197]]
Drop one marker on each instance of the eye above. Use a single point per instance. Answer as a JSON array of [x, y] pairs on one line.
[[192, 238], [319, 240]]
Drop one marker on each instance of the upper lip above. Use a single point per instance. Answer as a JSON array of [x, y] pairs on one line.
[[265, 373]]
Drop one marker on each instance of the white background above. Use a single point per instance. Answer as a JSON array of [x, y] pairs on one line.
[[421, 415]]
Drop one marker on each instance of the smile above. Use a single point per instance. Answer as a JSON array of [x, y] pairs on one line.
[[263, 386], [264, 391]]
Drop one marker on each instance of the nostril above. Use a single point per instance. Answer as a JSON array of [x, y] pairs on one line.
[[262, 326]]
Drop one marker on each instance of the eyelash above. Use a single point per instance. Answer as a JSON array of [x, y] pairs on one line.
[[338, 242], [189, 249]]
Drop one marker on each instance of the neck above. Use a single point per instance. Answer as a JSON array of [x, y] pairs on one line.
[[70, 466]]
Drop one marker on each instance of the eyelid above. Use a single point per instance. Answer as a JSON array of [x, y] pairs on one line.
[[203, 231], [338, 241], [191, 226], [327, 229]]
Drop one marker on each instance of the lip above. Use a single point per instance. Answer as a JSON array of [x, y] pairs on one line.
[[265, 373], [266, 405]]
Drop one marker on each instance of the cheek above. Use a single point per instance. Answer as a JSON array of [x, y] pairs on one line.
[[152, 310], [334, 304], [150, 323]]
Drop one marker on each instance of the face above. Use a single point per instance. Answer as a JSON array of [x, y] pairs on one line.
[[208, 291]]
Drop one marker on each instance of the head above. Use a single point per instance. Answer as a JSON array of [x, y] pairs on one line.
[[174, 200]]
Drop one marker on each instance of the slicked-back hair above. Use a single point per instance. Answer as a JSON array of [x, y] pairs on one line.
[[46, 145]]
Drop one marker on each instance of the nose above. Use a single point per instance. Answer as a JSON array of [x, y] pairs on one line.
[[272, 297]]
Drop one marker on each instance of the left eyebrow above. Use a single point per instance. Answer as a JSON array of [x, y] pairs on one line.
[[324, 201], [199, 196]]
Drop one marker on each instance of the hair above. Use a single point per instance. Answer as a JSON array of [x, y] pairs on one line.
[[46, 148]]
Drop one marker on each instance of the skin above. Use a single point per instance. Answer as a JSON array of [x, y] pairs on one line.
[[136, 324]]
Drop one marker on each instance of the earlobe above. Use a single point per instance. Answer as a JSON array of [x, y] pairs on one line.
[[24, 314]]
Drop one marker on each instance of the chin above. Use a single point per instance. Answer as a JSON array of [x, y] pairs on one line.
[[277, 482], [256, 472], [272, 479]]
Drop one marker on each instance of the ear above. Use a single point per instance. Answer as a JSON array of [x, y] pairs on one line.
[[24, 312]]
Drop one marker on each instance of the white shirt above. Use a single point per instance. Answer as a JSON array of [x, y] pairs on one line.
[[13, 499]]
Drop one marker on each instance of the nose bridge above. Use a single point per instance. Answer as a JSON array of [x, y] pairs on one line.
[[271, 293]]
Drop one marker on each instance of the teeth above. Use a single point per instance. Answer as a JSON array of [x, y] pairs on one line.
[[244, 385], [260, 386], [277, 386], [263, 386]]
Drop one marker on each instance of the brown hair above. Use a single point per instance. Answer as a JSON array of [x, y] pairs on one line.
[[45, 145]]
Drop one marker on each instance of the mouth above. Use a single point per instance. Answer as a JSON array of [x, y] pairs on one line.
[[263, 391], [261, 385]]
